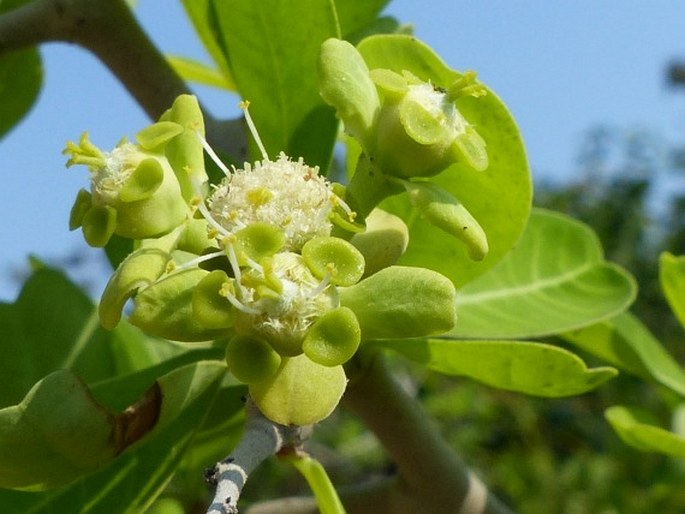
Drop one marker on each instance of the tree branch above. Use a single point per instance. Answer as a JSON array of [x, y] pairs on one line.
[[108, 29], [262, 439], [431, 477]]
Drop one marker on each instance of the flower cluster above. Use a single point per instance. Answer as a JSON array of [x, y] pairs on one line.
[[409, 125], [271, 259]]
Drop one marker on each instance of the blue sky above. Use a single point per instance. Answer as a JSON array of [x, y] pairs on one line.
[[562, 67]]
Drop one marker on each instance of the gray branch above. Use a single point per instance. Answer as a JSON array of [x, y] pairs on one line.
[[108, 29], [262, 439]]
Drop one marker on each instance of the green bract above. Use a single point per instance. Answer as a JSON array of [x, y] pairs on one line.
[[251, 359], [301, 392]]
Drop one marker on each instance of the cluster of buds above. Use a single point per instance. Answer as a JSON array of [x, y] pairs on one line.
[[409, 126], [272, 260]]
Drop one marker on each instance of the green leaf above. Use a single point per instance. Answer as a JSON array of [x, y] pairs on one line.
[[555, 280], [21, 77], [272, 48], [55, 434], [525, 367], [672, 278], [629, 424], [499, 197], [315, 474], [54, 325], [59, 432], [132, 482], [355, 16], [627, 343], [195, 71], [203, 17]]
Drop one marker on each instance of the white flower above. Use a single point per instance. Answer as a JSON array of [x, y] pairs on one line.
[[287, 194]]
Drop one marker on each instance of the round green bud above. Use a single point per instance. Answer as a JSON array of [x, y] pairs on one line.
[[251, 359], [334, 257], [333, 338], [210, 307], [301, 392]]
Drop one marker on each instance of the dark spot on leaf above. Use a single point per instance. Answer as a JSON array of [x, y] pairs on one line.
[[138, 419]]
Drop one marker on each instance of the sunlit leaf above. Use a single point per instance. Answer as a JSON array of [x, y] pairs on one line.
[[626, 342], [355, 16], [272, 48], [203, 17], [499, 198], [136, 477], [21, 77], [54, 325], [525, 367], [59, 432], [555, 280], [195, 71], [672, 278], [631, 427]]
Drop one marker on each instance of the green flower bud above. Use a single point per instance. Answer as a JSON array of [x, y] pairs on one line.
[[384, 241], [165, 309], [346, 85], [251, 359], [301, 392], [400, 302], [134, 193], [185, 152], [420, 130]]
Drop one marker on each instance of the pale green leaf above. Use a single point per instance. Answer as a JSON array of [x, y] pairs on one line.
[[135, 478], [499, 198], [324, 492], [525, 367], [555, 280], [355, 16], [272, 48], [195, 71], [627, 343], [203, 17], [629, 424], [21, 77], [59, 432], [672, 278], [53, 325]]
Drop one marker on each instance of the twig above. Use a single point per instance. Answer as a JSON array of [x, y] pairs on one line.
[[262, 439], [431, 477], [108, 29]]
